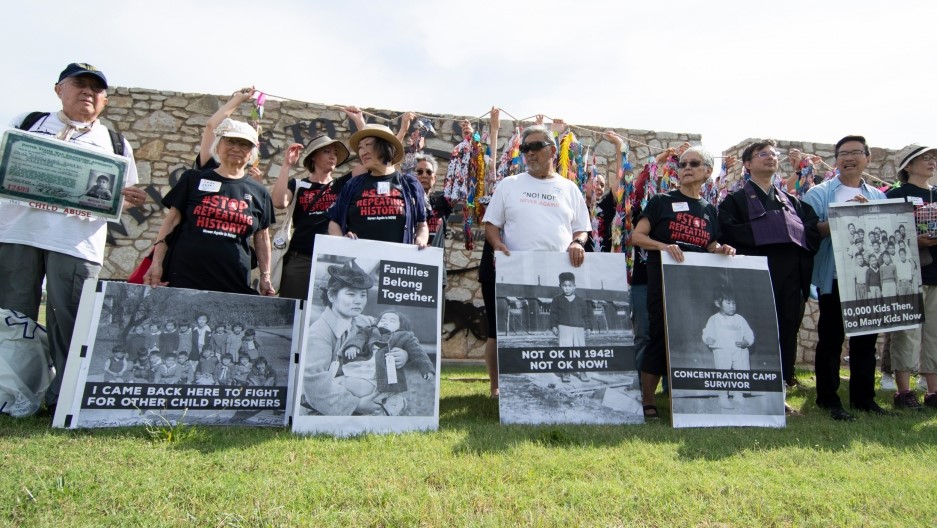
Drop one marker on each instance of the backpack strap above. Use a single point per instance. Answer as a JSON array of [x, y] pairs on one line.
[[31, 119], [117, 139]]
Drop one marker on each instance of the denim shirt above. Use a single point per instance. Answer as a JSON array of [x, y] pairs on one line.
[[820, 197]]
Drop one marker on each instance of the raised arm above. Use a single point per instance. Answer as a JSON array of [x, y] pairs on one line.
[[619, 143], [281, 190], [208, 135]]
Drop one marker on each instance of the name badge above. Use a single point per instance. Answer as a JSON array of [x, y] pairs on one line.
[[383, 187], [681, 206], [303, 184], [209, 185], [918, 202]]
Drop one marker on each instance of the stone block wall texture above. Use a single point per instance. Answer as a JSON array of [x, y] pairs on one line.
[[165, 128]]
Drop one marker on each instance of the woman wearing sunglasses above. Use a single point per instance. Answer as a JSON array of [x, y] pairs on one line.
[[655, 232]]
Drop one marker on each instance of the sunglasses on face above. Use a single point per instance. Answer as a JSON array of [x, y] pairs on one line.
[[533, 146], [428, 172], [693, 163]]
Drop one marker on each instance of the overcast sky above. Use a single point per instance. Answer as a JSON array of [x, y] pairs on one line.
[[728, 70]]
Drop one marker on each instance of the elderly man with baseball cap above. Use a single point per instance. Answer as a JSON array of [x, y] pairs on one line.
[[62, 249], [916, 164], [382, 204]]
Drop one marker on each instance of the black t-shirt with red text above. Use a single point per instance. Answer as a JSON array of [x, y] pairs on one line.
[[678, 219], [377, 210], [920, 197], [219, 218], [309, 219]]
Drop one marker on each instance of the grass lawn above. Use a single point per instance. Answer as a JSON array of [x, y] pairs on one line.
[[878, 471]]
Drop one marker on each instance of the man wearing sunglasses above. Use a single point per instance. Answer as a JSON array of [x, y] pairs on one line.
[[538, 210], [759, 219], [852, 157]]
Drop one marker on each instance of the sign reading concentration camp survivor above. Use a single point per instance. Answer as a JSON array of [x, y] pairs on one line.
[[565, 341], [60, 177], [145, 355], [722, 342], [878, 266], [370, 351]]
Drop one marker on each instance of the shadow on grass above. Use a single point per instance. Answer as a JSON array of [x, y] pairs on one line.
[[477, 415]]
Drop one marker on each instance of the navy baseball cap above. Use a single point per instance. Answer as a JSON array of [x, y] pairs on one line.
[[81, 68]]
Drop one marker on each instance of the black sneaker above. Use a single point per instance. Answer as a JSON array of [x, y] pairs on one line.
[[840, 414], [907, 400], [872, 408], [930, 400]]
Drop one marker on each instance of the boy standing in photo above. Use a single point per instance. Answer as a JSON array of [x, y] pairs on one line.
[[570, 319]]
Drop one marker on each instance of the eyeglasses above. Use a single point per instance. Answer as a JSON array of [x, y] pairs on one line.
[[534, 146], [766, 154], [929, 157], [428, 172], [237, 143], [850, 153], [691, 163]]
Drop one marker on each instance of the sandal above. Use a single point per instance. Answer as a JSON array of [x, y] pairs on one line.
[[650, 411]]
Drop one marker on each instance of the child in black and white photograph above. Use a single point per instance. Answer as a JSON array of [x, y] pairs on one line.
[[249, 344], [262, 375], [118, 369], [570, 319], [99, 186], [225, 371], [187, 366], [169, 371], [207, 364], [141, 366], [364, 360], [242, 370], [728, 335]]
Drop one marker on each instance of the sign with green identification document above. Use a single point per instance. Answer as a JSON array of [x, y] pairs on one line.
[[52, 175]]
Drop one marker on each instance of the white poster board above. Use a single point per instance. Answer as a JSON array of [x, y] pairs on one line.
[[553, 373], [117, 376], [350, 381], [723, 351], [878, 267]]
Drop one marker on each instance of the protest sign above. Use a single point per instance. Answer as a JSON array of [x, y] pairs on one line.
[[565, 341], [144, 355], [370, 350], [878, 267], [722, 342], [61, 177]]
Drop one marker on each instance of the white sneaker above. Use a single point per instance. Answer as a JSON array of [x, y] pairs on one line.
[[888, 382]]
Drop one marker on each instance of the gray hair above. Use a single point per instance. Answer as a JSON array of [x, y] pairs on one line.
[[255, 152], [428, 159], [538, 129], [703, 153]]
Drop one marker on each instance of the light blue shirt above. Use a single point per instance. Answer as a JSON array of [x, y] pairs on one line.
[[820, 197]]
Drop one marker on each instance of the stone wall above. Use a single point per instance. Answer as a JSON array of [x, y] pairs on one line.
[[165, 128]]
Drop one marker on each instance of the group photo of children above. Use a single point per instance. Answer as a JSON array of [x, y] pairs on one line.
[[188, 338], [879, 253]]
